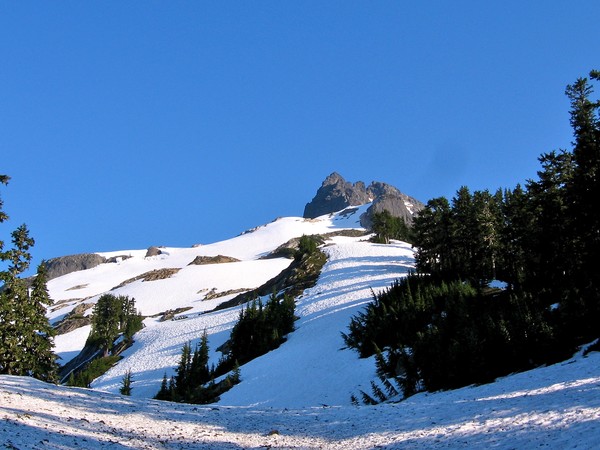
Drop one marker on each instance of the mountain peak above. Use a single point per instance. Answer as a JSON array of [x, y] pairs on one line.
[[336, 194]]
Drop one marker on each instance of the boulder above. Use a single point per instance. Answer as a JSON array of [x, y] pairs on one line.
[[153, 251]]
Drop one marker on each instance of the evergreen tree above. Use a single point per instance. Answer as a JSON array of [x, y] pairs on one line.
[[164, 393], [106, 321], [386, 227], [41, 336], [432, 231], [25, 334], [183, 382], [131, 321], [516, 243], [551, 235], [582, 309], [199, 370], [111, 316], [487, 223], [462, 223], [126, 382]]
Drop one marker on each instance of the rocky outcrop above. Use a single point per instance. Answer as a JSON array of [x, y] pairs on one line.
[[387, 197], [57, 267], [219, 259], [153, 275], [336, 194], [153, 251], [75, 319]]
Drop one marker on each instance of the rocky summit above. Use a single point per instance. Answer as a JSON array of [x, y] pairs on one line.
[[336, 194]]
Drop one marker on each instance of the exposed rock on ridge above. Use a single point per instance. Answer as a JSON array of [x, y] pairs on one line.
[[57, 267], [336, 194]]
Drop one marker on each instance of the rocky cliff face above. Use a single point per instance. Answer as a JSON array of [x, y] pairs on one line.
[[336, 194]]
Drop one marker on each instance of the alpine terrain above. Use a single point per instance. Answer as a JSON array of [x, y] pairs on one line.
[[297, 395]]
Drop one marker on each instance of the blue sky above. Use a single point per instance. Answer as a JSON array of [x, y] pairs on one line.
[[130, 124]]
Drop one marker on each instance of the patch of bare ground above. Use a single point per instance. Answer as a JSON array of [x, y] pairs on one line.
[[153, 275]]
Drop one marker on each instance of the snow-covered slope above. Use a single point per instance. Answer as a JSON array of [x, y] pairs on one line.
[[297, 396], [555, 407], [309, 369]]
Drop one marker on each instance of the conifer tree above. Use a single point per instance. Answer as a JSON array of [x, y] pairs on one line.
[[43, 360], [164, 393], [183, 377], [583, 192], [199, 370], [126, 382], [106, 322], [25, 334], [432, 231], [112, 316]]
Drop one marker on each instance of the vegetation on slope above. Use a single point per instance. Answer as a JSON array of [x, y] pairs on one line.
[[444, 327]]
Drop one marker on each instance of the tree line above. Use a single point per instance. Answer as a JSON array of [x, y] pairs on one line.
[[444, 326]]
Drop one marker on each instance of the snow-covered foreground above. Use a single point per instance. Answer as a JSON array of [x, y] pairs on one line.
[[552, 407]]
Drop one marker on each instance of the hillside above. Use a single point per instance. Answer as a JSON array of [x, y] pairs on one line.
[[295, 396], [309, 369]]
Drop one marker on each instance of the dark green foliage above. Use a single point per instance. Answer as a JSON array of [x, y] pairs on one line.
[[26, 337], [194, 382], [386, 227], [448, 329], [307, 246], [92, 371], [165, 393], [260, 329], [126, 382], [442, 335], [112, 316]]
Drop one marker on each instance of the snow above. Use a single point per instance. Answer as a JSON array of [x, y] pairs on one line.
[[555, 407], [297, 396], [67, 346]]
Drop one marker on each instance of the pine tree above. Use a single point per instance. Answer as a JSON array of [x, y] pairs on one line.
[[43, 360], [516, 245], [106, 321], [25, 334], [461, 234], [164, 393], [432, 231], [183, 377], [126, 382], [199, 370], [583, 192]]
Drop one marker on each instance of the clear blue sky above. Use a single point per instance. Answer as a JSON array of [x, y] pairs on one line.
[[130, 124]]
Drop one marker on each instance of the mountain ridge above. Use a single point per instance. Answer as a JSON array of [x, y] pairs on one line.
[[336, 193]]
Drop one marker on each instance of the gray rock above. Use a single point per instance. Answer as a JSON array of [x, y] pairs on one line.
[[57, 267], [153, 251], [336, 194], [219, 259]]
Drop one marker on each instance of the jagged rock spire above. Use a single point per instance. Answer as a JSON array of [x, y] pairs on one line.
[[336, 194]]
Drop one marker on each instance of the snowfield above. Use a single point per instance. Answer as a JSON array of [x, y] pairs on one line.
[[297, 396], [553, 407]]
